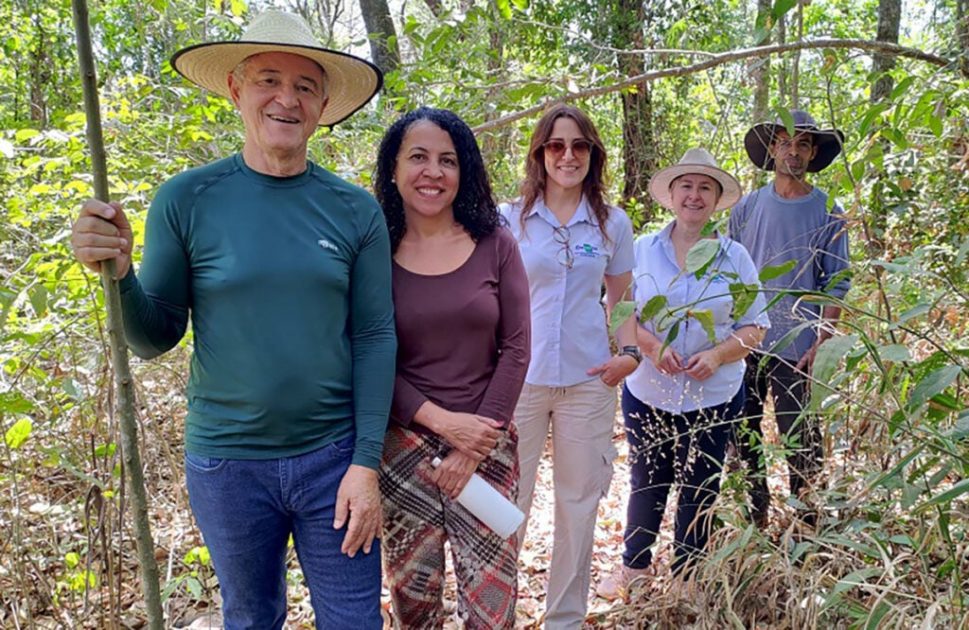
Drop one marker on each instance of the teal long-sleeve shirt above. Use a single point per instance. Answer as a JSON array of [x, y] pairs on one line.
[[287, 281]]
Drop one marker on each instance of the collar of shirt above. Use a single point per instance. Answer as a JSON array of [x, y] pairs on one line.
[[582, 213], [664, 239]]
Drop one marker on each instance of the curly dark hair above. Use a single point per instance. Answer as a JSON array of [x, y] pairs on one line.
[[593, 186], [474, 207]]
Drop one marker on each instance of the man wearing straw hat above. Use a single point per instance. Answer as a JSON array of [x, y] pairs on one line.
[[284, 269], [790, 220]]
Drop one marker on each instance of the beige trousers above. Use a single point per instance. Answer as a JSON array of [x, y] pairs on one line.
[[581, 418]]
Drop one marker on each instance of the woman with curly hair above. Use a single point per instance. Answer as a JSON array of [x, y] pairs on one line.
[[572, 242], [461, 302]]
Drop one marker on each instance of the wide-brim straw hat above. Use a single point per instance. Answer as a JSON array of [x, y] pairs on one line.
[[350, 81], [694, 161], [761, 136]]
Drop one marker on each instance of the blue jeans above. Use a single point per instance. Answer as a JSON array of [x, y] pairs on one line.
[[247, 510], [665, 447]]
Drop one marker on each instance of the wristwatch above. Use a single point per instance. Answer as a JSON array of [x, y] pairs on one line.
[[632, 351]]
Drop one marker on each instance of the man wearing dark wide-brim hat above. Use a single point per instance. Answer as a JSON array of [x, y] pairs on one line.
[[284, 269], [791, 220]]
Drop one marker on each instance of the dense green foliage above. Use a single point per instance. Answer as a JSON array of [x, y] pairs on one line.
[[893, 548]]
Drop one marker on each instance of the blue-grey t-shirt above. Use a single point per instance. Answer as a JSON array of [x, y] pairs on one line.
[[775, 230]]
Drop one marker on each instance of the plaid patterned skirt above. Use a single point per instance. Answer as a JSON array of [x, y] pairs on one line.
[[418, 518]]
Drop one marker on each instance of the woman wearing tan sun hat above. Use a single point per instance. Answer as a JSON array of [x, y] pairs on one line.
[[284, 270], [680, 402]]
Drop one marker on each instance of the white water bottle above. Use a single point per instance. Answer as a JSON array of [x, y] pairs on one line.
[[488, 505]]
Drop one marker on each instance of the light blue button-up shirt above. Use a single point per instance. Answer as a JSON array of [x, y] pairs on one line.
[[569, 333], [657, 273]]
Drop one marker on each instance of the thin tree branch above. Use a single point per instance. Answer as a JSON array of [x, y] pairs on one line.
[[719, 60]]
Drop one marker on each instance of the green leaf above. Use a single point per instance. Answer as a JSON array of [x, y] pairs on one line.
[[744, 296], [38, 299], [902, 87], [829, 355], [620, 313], [961, 428], [775, 271], [917, 310], [705, 317], [826, 362], [71, 559], [670, 336], [894, 352], [105, 449], [782, 112], [521, 5], [931, 384], [871, 116], [957, 490], [23, 135], [875, 619], [780, 8], [18, 433], [504, 8], [14, 402], [701, 255], [652, 308]]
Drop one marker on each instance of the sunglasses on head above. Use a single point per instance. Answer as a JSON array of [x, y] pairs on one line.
[[580, 147]]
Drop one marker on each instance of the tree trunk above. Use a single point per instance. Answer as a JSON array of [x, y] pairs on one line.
[[760, 68], [39, 75], [796, 64], [123, 382], [381, 33], [889, 14], [493, 144], [783, 96], [962, 34], [639, 147], [889, 17], [760, 76]]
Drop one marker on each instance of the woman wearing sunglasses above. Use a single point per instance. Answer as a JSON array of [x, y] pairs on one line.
[[571, 242]]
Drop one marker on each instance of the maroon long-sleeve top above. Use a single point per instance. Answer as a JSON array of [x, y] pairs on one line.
[[463, 336]]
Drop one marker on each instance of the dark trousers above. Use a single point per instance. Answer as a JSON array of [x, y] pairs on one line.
[[801, 434], [664, 447]]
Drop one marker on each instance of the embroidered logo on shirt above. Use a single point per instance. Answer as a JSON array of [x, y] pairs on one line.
[[325, 244], [586, 250]]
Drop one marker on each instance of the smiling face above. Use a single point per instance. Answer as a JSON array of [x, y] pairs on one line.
[[792, 155], [694, 198], [566, 169], [427, 172], [280, 97]]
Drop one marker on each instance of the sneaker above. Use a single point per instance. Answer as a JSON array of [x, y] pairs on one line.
[[616, 584]]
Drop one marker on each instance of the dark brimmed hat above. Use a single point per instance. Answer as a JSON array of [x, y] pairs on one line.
[[350, 81], [760, 137]]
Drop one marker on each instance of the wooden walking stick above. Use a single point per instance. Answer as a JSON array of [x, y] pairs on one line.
[[124, 387]]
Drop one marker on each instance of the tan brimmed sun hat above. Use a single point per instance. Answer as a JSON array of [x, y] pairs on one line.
[[694, 161], [350, 81]]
